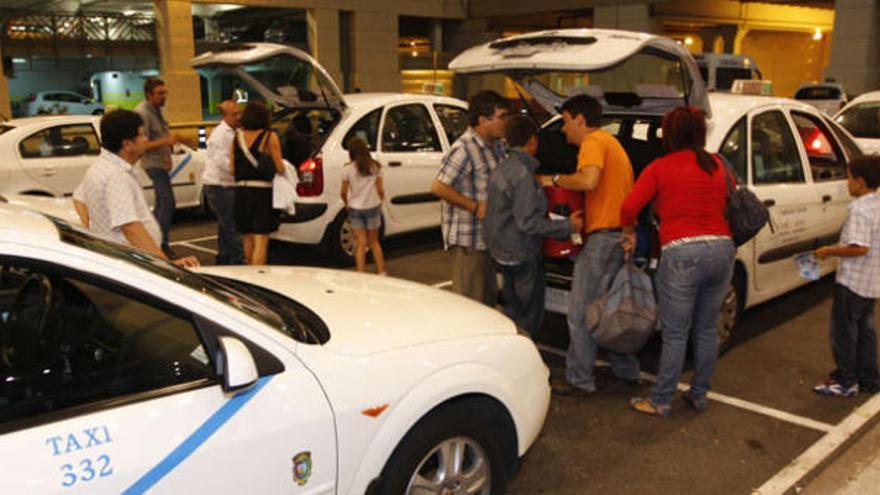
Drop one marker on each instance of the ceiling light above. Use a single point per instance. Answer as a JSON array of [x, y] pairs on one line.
[[817, 35], [688, 41]]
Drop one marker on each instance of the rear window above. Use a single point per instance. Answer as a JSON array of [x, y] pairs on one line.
[[817, 93], [724, 76], [862, 120], [4, 128]]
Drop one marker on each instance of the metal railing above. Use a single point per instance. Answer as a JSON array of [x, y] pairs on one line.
[[24, 27]]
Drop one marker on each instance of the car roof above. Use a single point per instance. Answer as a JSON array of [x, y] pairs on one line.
[[869, 96], [361, 100], [18, 223], [42, 119], [821, 85], [727, 106]]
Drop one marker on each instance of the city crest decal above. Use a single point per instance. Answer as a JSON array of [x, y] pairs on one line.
[[302, 467]]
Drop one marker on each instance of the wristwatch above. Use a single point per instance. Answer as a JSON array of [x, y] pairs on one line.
[[555, 179]]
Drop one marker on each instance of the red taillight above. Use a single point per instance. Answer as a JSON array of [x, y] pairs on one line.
[[311, 177], [32, 97]]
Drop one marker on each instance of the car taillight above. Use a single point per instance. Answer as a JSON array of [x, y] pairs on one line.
[[311, 177], [32, 97]]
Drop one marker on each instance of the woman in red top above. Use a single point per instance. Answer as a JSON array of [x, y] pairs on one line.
[[689, 191]]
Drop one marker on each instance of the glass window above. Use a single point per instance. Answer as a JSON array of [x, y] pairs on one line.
[[775, 156], [69, 342], [734, 148], [862, 120], [817, 93], [826, 160], [70, 98], [852, 149], [408, 128], [62, 140], [367, 128], [455, 121], [724, 76]]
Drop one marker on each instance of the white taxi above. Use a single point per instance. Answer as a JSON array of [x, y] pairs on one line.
[[861, 117], [790, 154], [408, 133], [121, 373], [49, 156]]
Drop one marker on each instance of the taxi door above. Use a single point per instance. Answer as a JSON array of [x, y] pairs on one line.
[[115, 391], [779, 178], [185, 173], [57, 156]]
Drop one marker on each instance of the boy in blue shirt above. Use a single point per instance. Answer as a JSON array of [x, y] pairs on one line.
[[857, 286]]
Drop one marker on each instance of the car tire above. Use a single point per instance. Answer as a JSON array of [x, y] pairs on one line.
[[464, 437], [731, 309], [339, 240]]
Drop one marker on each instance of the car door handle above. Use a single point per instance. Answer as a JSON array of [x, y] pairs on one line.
[[395, 164], [769, 202], [48, 171], [826, 198]]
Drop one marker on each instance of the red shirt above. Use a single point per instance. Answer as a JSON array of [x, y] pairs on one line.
[[689, 201]]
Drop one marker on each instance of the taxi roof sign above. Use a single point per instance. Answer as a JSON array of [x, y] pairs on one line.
[[752, 87]]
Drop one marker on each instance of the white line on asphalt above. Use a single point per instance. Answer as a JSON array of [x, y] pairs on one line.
[[730, 401], [821, 450], [441, 285], [197, 239], [194, 247]]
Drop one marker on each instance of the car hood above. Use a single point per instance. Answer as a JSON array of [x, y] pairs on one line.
[[368, 313], [524, 58], [57, 207]]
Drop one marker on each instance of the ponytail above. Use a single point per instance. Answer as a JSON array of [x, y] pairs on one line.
[[705, 161], [359, 153]]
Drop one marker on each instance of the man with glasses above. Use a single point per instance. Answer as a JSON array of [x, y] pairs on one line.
[[463, 183]]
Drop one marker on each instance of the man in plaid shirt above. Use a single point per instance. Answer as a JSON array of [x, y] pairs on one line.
[[462, 183], [857, 287]]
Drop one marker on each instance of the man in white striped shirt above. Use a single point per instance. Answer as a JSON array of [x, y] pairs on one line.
[[219, 185]]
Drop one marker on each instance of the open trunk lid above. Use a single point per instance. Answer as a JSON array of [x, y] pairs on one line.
[[627, 72], [283, 75]]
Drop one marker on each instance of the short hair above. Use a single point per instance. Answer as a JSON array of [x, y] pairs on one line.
[[152, 83], [117, 126], [255, 116], [520, 130], [868, 168], [483, 104], [584, 105]]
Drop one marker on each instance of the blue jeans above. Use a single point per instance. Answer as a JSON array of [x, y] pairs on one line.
[[163, 208], [221, 201], [523, 293], [691, 283], [594, 270], [854, 340]]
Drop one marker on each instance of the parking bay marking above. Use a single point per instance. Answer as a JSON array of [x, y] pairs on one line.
[[196, 239], [731, 401], [194, 247]]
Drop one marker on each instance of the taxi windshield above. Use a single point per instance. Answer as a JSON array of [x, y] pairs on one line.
[[290, 318]]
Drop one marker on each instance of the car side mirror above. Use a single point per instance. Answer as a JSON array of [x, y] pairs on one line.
[[236, 364]]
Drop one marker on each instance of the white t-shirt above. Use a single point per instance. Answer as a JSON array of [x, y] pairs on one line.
[[362, 193]]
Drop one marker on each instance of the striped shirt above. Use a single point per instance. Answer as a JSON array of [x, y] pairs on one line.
[[861, 274], [114, 197], [465, 168]]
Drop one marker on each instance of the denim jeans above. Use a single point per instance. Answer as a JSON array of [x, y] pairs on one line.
[[853, 339], [163, 208], [691, 283], [523, 294], [594, 270], [221, 201]]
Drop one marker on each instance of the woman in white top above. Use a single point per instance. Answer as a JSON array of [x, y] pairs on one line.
[[362, 193]]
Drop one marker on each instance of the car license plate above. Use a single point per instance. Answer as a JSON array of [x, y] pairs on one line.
[[556, 300]]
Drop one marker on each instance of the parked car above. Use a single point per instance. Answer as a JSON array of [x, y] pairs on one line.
[[49, 155], [790, 154], [861, 117], [719, 70], [121, 373], [408, 134], [57, 207], [60, 103], [828, 97]]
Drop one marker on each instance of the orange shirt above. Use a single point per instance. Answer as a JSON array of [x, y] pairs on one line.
[[602, 204]]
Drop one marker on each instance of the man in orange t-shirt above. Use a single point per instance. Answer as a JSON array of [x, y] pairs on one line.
[[605, 175]]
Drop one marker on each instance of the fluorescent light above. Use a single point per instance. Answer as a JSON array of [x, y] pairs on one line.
[[19, 61]]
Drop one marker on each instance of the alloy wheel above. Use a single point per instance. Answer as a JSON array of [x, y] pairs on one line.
[[456, 466]]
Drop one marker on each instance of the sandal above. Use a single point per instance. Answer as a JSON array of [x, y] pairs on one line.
[[645, 406]]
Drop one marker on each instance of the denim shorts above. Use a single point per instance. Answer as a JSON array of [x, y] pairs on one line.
[[369, 219]]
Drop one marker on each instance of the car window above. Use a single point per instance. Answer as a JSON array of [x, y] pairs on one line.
[[69, 342], [825, 158], [852, 149], [724, 76], [454, 120], [50, 97], [817, 93], [408, 128], [70, 98], [734, 148], [775, 157], [862, 120], [62, 140], [367, 128]]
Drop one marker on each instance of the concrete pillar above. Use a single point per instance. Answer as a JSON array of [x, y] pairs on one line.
[[855, 47], [376, 59], [731, 35], [323, 25], [741, 34], [631, 17], [5, 105], [174, 39]]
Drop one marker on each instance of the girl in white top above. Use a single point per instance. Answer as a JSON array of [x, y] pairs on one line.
[[363, 192]]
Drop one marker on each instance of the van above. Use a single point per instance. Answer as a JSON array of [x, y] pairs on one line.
[[719, 70]]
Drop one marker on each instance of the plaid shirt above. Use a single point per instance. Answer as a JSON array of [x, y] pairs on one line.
[[465, 168], [862, 228]]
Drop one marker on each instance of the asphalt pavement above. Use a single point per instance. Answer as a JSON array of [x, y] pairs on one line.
[[765, 430]]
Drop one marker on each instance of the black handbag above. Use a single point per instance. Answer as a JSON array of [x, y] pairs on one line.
[[746, 214], [261, 161]]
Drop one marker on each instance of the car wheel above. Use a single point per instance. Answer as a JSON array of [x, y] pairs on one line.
[[340, 240], [455, 449], [730, 311]]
